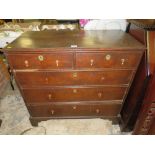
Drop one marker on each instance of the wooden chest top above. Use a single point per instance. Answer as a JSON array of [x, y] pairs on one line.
[[49, 40]]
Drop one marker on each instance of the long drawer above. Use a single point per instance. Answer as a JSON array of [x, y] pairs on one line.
[[107, 60], [41, 61], [64, 110], [74, 94], [109, 77]]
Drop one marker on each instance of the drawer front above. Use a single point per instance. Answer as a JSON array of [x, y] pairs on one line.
[[74, 94], [107, 60], [41, 61], [64, 110], [74, 78]]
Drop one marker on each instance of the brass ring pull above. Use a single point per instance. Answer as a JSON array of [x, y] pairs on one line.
[[57, 63], [91, 62], [97, 111], [74, 90], [46, 79], [108, 57], [49, 96], [26, 63], [122, 61], [99, 95], [74, 75], [40, 58], [52, 112], [74, 107]]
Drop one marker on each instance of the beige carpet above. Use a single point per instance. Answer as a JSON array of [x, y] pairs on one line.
[[16, 121]]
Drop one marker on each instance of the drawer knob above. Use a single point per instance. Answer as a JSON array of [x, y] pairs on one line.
[[46, 79], [99, 95], [74, 90], [108, 57], [52, 112], [102, 78], [26, 63], [122, 61], [97, 111], [91, 62], [49, 96], [74, 75], [57, 63], [74, 107], [40, 58]]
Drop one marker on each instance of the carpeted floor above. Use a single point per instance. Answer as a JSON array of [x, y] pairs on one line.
[[15, 119]]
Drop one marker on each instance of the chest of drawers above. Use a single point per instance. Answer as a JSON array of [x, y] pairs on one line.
[[74, 74]]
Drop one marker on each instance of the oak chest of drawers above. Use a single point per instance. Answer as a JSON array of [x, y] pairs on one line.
[[74, 74]]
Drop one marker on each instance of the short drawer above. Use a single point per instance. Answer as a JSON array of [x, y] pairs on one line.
[[108, 60], [74, 94], [112, 77], [41, 61], [71, 110]]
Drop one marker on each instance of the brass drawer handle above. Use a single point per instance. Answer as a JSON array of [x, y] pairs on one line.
[[91, 62], [122, 61], [108, 57], [74, 107], [97, 111], [26, 63], [46, 79], [74, 75], [99, 95], [52, 112], [74, 90], [102, 78], [57, 63], [40, 58], [49, 96]]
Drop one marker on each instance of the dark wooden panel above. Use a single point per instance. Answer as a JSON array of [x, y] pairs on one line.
[[74, 94], [131, 110], [54, 110], [107, 60], [152, 128], [41, 61], [150, 91], [134, 97], [145, 121], [151, 51], [108, 77], [146, 118], [138, 33]]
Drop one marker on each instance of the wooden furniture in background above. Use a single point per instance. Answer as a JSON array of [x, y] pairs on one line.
[[74, 74], [4, 75], [145, 123], [143, 31]]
